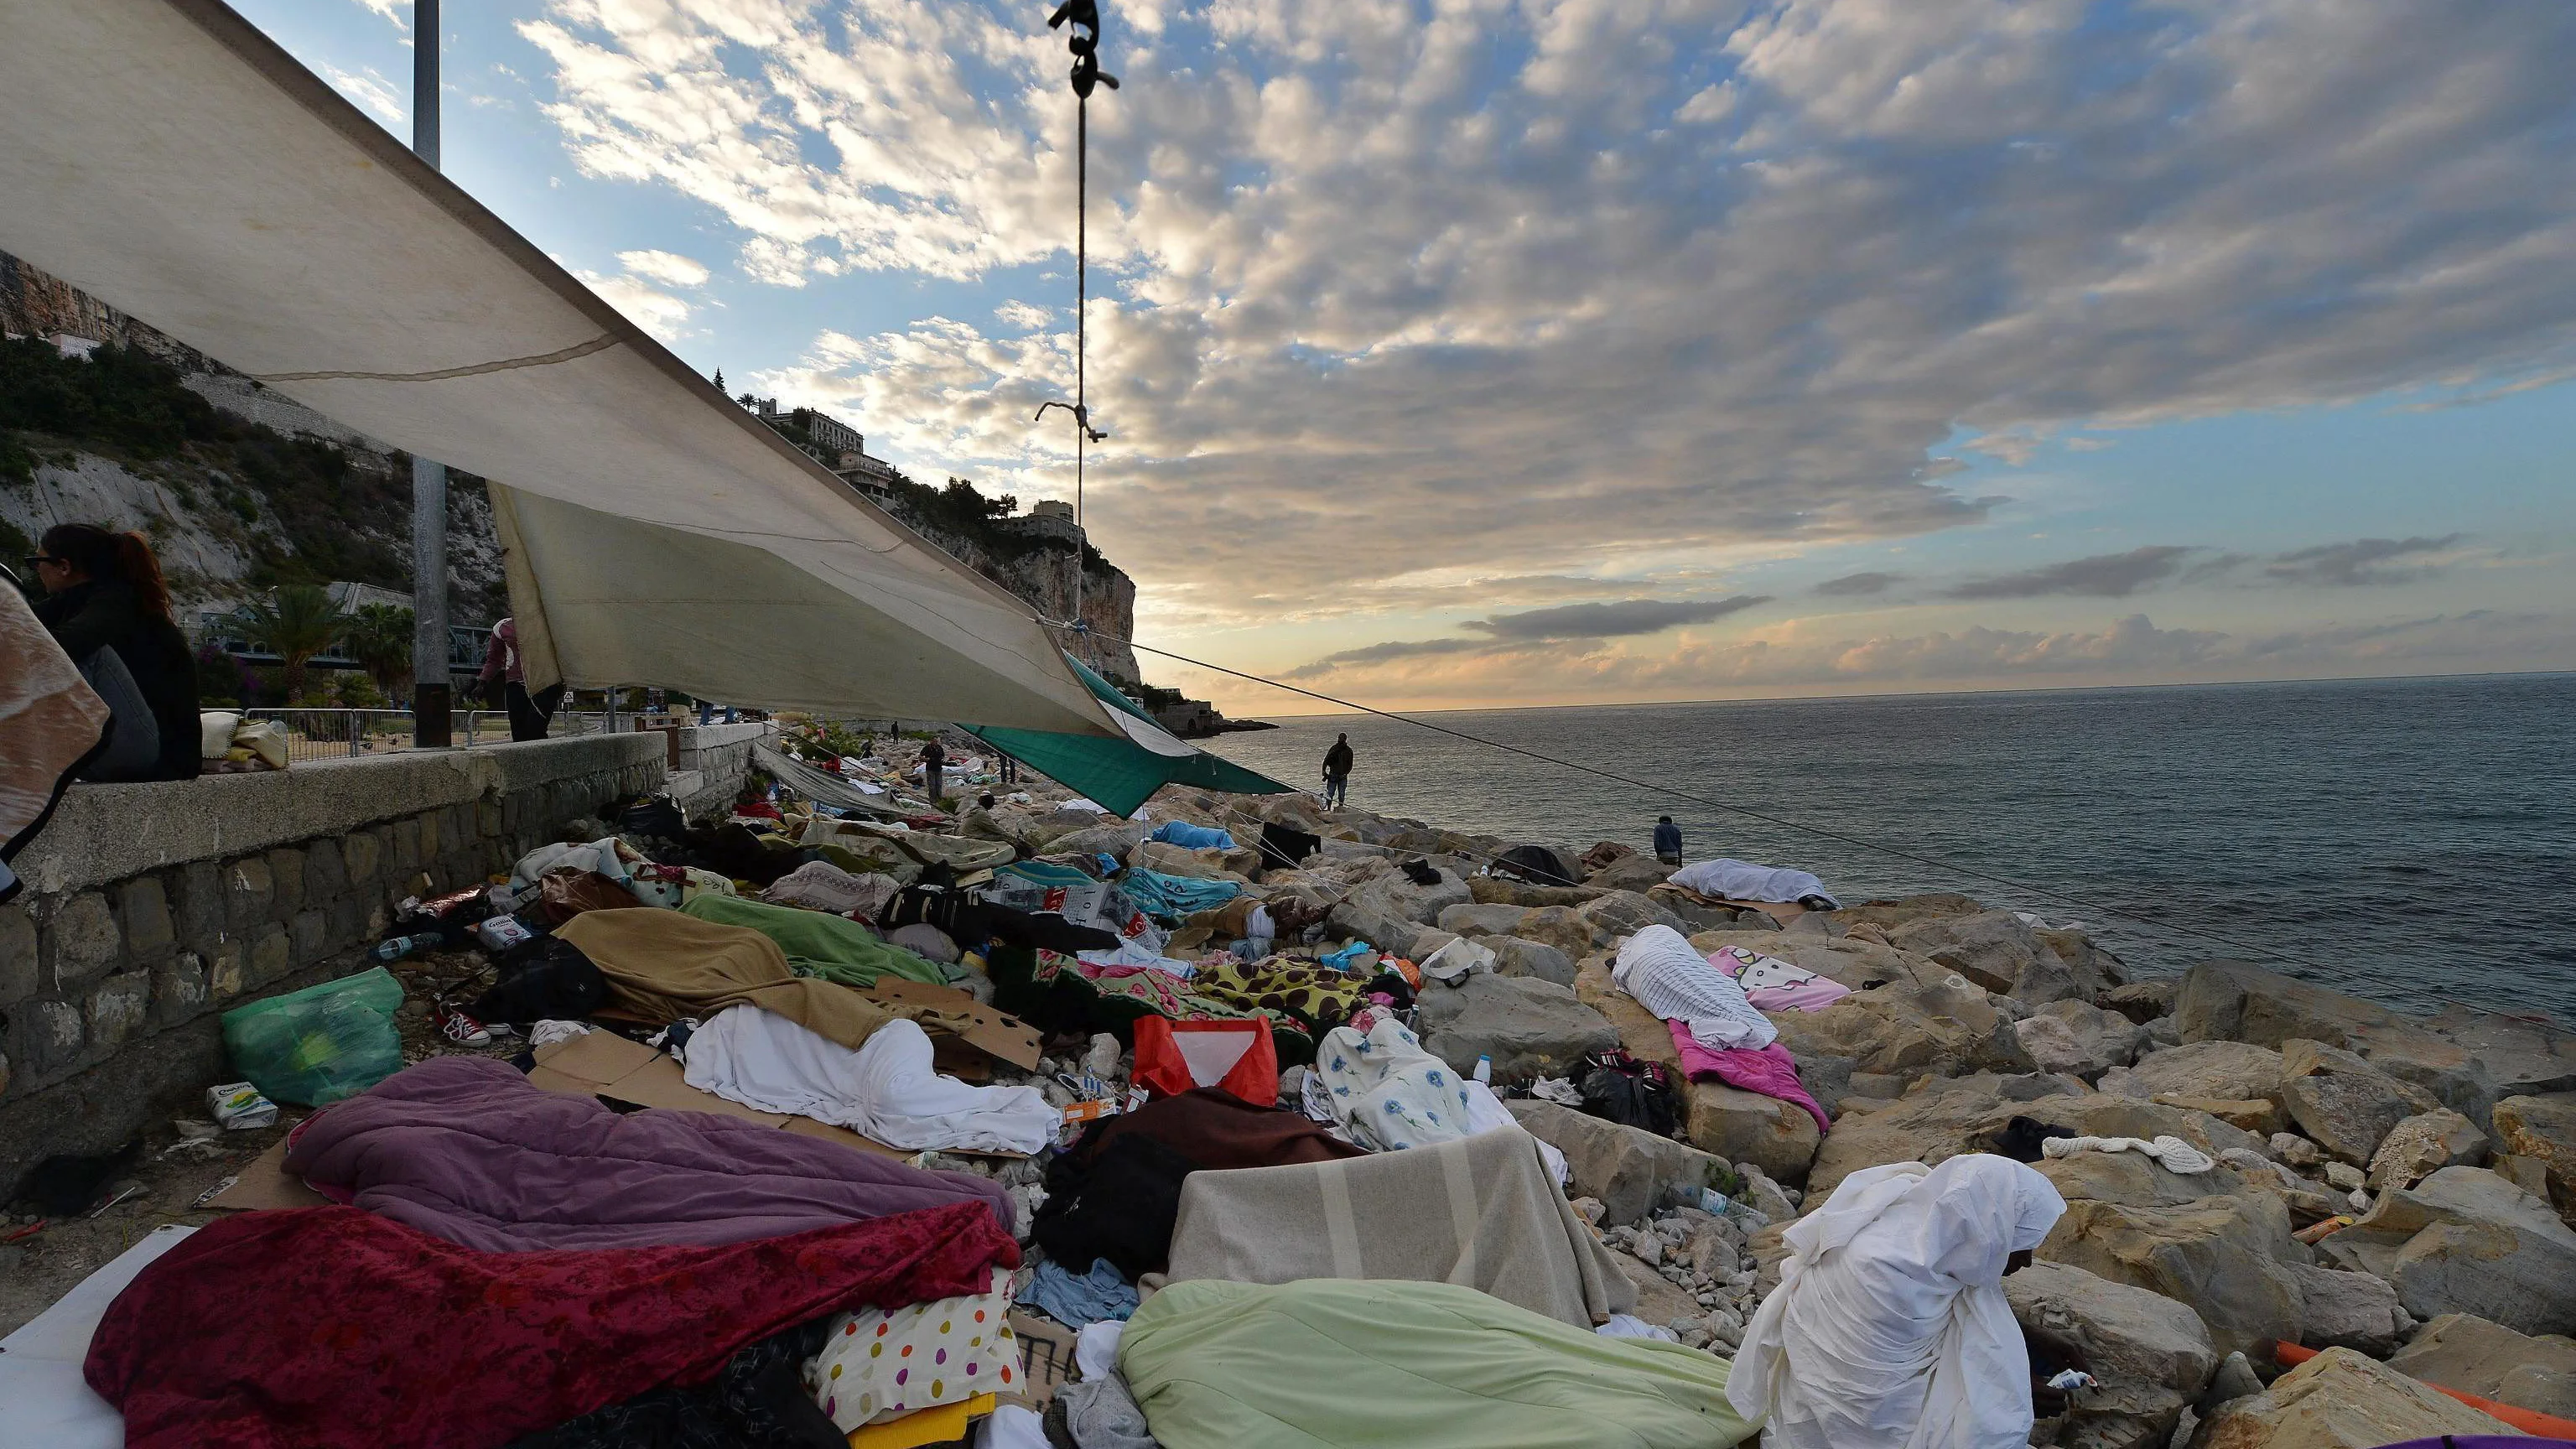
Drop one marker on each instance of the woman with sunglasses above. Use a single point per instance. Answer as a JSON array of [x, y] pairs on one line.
[[106, 604]]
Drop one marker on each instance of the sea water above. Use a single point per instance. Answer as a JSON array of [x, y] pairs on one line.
[[2411, 841]]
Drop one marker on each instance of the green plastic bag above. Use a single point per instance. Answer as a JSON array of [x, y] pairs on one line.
[[320, 1044]]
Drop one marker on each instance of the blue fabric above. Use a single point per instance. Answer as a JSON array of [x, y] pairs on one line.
[[1341, 960], [1175, 897], [1192, 837], [1076, 1300]]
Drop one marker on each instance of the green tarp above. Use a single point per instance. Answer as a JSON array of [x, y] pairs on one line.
[[1122, 774]]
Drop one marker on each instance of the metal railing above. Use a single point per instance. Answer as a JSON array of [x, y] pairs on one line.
[[326, 734]]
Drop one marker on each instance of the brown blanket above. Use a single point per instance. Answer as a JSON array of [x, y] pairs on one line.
[[1482, 1212], [664, 965]]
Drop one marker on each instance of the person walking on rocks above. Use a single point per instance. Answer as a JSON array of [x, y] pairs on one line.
[[1337, 773], [1668, 841]]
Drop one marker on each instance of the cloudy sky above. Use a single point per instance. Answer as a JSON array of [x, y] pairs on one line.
[[1463, 352]]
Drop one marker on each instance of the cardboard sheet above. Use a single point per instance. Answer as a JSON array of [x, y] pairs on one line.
[[1046, 1359], [997, 1033], [264, 1184]]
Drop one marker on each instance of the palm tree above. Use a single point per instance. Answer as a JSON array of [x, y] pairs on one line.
[[296, 622], [380, 640]]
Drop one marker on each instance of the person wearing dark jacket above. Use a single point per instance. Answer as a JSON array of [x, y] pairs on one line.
[[1337, 772], [1668, 841], [106, 604]]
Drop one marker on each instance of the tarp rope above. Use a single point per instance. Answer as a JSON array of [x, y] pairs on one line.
[[1954, 867]]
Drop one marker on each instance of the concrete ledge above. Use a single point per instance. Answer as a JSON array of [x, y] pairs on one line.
[[104, 833]]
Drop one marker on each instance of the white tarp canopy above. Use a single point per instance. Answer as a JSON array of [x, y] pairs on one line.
[[168, 158]]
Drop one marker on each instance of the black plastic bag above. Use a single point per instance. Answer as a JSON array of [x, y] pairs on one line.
[[1633, 1094], [550, 981]]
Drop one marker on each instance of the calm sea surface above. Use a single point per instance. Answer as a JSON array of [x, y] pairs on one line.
[[2411, 841]]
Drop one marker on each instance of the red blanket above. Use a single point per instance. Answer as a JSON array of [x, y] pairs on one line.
[[326, 1327]]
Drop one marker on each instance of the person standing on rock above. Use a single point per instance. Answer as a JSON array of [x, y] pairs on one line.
[[933, 760], [1337, 773], [1668, 841]]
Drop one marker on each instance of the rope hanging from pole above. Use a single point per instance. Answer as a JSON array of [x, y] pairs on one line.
[[1080, 20]]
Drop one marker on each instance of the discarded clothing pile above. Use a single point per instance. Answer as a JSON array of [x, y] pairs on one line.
[[819, 885], [1316, 996], [1191, 837], [1062, 993], [1175, 898], [667, 965]]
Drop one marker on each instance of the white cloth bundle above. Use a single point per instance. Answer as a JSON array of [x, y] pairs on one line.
[[1742, 880], [2176, 1154], [1668, 978], [885, 1090], [1890, 1329]]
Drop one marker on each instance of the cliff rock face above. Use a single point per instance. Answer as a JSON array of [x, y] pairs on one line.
[[1045, 576]]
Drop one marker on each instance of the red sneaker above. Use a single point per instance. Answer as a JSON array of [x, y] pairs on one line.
[[461, 1029]]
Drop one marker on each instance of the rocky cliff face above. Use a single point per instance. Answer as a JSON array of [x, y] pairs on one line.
[[280, 493]]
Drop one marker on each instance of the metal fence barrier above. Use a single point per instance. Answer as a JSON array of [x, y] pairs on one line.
[[323, 734]]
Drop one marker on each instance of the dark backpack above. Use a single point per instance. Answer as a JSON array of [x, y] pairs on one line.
[[1619, 1088], [550, 980]]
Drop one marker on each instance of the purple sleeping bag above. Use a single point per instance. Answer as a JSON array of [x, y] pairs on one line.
[[467, 1149]]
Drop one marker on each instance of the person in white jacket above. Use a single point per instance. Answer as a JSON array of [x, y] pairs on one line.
[[1889, 1329]]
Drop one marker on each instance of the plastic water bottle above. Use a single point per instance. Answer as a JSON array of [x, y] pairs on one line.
[[1485, 1070], [401, 946]]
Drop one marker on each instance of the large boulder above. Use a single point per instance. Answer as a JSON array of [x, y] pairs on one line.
[[2341, 1400], [2424, 1144], [1496, 891], [2225, 1070], [1627, 1168], [1397, 894], [1631, 873], [1994, 949], [2093, 970], [1516, 957], [1209, 864], [1889, 915], [1472, 919], [1942, 1119], [2466, 1240], [2229, 1257], [2543, 1128], [1352, 921], [2464, 1352], [2235, 1000], [1530, 1028], [2514, 1056], [2149, 1355], [1778, 1137], [1904, 1029], [1623, 913], [1856, 961], [2142, 1001], [1114, 840], [1563, 927], [2077, 1038], [2343, 1103], [2339, 1309]]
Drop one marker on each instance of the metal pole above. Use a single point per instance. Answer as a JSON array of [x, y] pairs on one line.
[[429, 677]]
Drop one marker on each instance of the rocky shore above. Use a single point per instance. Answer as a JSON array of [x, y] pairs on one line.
[[2385, 1188]]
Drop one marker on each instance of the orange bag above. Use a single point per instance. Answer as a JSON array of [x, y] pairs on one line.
[[1174, 1056]]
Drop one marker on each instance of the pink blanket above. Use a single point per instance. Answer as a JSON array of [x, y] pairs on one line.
[[1770, 1071]]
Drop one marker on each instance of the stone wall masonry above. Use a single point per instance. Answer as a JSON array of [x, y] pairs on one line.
[[151, 909], [714, 761]]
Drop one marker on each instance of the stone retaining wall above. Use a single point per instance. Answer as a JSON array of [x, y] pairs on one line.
[[151, 909]]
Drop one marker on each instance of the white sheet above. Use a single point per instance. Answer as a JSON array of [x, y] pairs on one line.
[[885, 1090], [1675, 982], [44, 1402], [1742, 880], [1889, 1329]]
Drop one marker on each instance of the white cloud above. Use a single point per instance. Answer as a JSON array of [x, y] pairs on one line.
[[370, 90], [669, 268], [397, 12], [1023, 315], [1356, 290]]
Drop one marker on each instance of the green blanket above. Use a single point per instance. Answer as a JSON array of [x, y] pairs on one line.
[[820, 944], [1219, 1365]]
